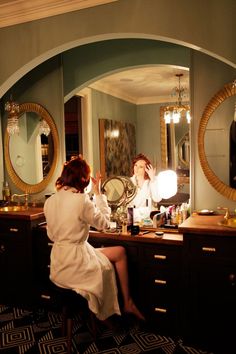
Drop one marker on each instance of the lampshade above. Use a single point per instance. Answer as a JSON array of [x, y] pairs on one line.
[[167, 183]]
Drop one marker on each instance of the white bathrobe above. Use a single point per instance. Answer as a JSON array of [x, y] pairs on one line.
[[75, 264], [149, 190]]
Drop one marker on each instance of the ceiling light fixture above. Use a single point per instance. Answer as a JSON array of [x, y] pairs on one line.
[[13, 110], [174, 113]]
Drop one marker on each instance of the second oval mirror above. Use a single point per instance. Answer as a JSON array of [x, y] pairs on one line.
[[31, 155]]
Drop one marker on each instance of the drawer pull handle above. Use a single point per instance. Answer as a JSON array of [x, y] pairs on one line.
[[232, 279], [50, 244], [13, 229], [47, 297], [2, 249], [159, 256], [209, 249], [159, 281], [159, 309]]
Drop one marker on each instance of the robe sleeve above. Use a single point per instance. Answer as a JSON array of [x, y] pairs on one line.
[[155, 190], [97, 215]]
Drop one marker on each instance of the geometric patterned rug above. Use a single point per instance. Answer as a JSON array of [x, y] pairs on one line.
[[27, 331]]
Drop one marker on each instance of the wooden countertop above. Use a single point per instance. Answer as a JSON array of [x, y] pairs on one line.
[[205, 224], [167, 238], [32, 213]]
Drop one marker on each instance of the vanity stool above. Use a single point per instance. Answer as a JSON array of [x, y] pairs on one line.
[[70, 304]]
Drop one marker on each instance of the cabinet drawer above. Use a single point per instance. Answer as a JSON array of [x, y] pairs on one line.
[[161, 255], [161, 276], [212, 248], [164, 319], [13, 227]]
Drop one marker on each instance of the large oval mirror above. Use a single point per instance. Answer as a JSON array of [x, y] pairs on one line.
[[215, 141], [31, 157]]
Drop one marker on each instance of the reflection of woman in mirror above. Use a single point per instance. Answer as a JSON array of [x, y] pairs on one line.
[[145, 180], [75, 264]]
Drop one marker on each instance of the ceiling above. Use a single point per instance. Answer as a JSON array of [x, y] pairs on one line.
[[13, 12], [151, 84]]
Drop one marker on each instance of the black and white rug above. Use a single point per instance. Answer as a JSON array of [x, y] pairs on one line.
[[39, 332]]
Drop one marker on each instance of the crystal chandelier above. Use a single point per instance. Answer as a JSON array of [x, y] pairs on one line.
[[44, 127], [174, 113], [13, 110]]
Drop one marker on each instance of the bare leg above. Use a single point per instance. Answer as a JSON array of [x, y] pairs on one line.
[[117, 255]]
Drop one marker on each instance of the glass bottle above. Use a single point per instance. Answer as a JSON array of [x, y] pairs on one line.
[[6, 193]]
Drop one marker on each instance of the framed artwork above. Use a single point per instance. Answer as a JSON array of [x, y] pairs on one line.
[[117, 147]]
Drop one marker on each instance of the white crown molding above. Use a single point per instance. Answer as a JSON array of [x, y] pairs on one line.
[[13, 12], [123, 96]]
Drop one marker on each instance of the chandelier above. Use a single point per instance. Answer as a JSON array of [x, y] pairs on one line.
[[13, 110], [176, 112]]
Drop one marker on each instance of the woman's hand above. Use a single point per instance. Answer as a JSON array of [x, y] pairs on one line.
[[150, 171], [97, 183]]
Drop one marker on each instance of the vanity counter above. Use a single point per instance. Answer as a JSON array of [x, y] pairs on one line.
[[32, 213], [206, 224], [167, 238]]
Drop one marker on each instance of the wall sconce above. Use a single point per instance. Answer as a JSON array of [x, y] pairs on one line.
[[44, 127], [13, 110]]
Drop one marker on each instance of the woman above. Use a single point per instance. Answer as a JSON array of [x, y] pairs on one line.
[[75, 264], [145, 180]]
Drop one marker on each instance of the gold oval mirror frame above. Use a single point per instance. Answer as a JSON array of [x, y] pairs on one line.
[[227, 91], [19, 183]]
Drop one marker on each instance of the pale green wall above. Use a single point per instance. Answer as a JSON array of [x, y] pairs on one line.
[[148, 132], [108, 107], [206, 25], [43, 85], [85, 64]]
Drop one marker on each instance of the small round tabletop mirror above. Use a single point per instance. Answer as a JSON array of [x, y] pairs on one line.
[[119, 190]]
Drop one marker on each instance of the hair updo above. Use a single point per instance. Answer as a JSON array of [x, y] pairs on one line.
[[75, 173]]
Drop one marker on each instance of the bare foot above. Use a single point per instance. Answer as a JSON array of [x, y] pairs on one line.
[[130, 307]]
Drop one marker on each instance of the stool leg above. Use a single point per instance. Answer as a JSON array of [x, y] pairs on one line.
[[64, 321], [69, 334]]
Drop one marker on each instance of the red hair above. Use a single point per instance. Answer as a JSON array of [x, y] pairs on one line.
[[75, 173], [144, 158]]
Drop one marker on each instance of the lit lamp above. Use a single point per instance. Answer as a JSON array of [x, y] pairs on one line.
[[13, 110], [167, 183], [174, 113]]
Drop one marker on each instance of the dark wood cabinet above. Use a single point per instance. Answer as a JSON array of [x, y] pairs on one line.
[[154, 273], [155, 269], [210, 291], [16, 259], [161, 275], [185, 284]]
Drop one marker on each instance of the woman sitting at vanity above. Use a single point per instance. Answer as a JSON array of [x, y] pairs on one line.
[[75, 264]]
